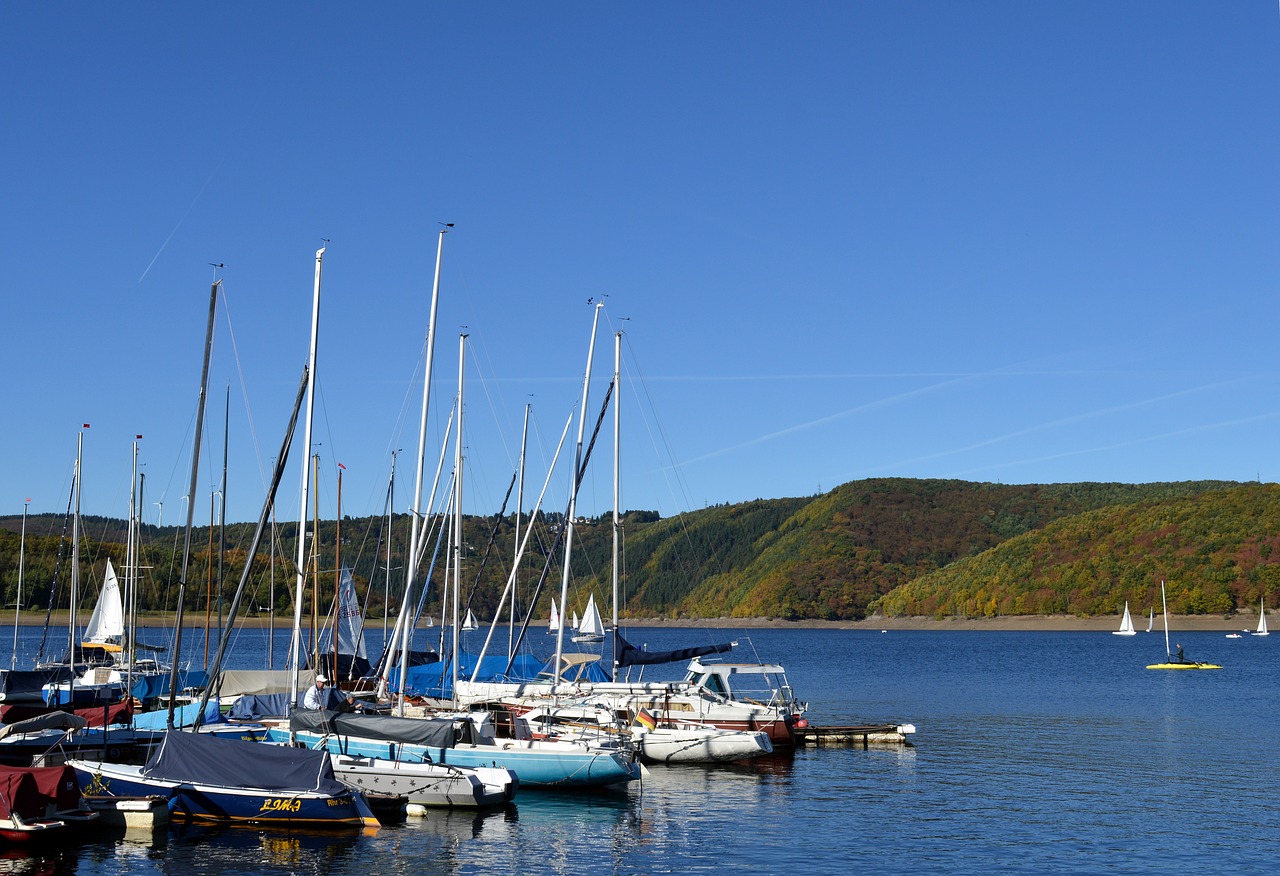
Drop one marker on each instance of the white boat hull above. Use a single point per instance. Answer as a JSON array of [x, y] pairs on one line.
[[428, 784], [700, 745]]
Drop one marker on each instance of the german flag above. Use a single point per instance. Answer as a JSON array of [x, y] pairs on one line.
[[645, 719]]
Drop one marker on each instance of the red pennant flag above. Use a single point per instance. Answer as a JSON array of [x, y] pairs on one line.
[[341, 466], [86, 425], [139, 437]]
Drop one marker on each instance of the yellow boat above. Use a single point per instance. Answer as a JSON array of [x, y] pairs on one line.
[[1172, 663]]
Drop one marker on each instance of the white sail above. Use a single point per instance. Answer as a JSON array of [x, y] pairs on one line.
[[1262, 620], [107, 622], [470, 623], [554, 625], [1151, 620], [349, 620], [1126, 624], [592, 627]]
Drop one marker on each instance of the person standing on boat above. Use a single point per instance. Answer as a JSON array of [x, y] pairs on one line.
[[1179, 657], [315, 698]]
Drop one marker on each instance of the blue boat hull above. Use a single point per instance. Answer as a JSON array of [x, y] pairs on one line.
[[211, 803]]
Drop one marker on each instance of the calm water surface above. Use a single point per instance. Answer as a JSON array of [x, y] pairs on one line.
[[1035, 752]]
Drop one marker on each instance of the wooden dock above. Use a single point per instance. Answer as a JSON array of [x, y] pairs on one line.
[[860, 736]]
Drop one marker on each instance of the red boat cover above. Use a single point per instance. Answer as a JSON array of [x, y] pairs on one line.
[[57, 783], [97, 716], [18, 793]]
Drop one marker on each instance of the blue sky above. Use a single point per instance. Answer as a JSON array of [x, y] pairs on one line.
[[996, 241]]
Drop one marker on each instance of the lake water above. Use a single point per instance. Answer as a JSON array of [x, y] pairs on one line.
[[1035, 752]]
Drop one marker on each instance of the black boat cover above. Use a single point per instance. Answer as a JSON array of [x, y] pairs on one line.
[[436, 732], [630, 655], [209, 760]]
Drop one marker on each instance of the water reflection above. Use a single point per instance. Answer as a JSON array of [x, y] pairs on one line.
[[199, 849]]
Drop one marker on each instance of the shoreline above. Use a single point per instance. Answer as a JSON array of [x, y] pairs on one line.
[[1029, 623]]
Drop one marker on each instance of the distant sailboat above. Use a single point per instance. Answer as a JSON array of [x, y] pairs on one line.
[[553, 626], [1126, 624], [592, 627], [470, 623], [1152, 619], [1262, 620]]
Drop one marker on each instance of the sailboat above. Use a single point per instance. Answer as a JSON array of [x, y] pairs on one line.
[[1151, 619], [1172, 662], [591, 629], [470, 623], [347, 659], [1126, 624], [553, 626], [1262, 620]]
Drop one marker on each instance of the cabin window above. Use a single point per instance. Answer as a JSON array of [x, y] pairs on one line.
[[715, 684]]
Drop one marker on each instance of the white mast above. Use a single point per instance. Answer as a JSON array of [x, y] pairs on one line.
[[1164, 606], [131, 567], [617, 457], [401, 632], [75, 557], [295, 654], [457, 516], [511, 579], [573, 491], [515, 565], [22, 558]]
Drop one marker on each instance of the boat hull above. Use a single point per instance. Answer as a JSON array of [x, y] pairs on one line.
[[1183, 666], [425, 784], [199, 802], [538, 765], [679, 745]]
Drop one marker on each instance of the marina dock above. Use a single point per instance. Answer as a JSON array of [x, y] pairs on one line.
[[860, 736]]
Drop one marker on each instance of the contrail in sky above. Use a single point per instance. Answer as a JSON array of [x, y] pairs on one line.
[[1076, 418], [800, 427], [176, 227], [1206, 427]]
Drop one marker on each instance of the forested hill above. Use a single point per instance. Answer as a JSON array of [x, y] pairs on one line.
[[899, 546]]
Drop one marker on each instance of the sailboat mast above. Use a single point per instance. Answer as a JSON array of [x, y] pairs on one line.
[[337, 575], [131, 564], [222, 504], [191, 509], [1164, 606], [573, 491], [457, 515], [22, 559], [75, 556], [295, 653], [386, 581], [617, 458], [415, 524], [515, 565]]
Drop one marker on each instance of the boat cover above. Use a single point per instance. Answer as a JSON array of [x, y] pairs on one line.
[[437, 680], [96, 716], [50, 721], [18, 793], [236, 682], [210, 760], [183, 716], [151, 687], [56, 783], [436, 732], [630, 655], [27, 686]]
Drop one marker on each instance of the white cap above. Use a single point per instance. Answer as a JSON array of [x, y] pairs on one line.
[[322, 678]]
